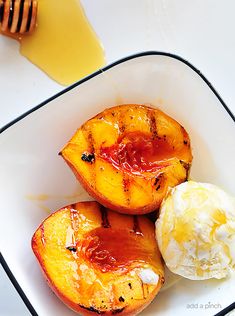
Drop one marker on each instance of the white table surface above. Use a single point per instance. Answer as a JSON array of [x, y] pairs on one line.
[[200, 31]]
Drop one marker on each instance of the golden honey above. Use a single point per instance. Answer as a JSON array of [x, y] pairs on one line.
[[63, 44]]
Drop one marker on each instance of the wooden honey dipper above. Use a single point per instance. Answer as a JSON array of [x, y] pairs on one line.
[[18, 16]]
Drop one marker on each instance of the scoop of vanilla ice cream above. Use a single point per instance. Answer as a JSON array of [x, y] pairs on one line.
[[196, 231]]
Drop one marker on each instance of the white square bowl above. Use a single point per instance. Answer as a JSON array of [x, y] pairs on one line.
[[35, 180]]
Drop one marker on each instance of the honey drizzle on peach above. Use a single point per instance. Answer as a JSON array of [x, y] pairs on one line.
[[113, 258], [100, 246]]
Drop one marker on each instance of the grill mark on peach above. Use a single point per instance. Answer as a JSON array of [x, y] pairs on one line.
[[73, 206], [73, 216], [184, 133], [126, 187], [186, 140], [158, 182], [142, 287], [74, 224], [118, 310], [136, 226], [90, 141], [152, 123], [125, 180], [161, 184], [104, 216], [186, 167], [92, 309], [153, 131], [120, 122]]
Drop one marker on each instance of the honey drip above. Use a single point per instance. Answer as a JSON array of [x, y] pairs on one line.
[[63, 44], [115, 249]]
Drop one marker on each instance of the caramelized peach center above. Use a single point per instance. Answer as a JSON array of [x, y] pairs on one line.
[[114, 249], [139, 152]]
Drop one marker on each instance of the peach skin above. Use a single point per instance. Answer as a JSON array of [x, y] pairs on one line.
[[98, 261]]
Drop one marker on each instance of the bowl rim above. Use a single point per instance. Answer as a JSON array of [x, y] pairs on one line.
[[3, 262], [115, 63]]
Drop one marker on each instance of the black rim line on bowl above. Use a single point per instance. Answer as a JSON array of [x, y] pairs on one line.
[[17, 286], [12, 278], [226, 310], [120, 61]]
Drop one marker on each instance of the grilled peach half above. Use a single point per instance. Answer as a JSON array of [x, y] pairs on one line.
[[98, 261], [128, 156]]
